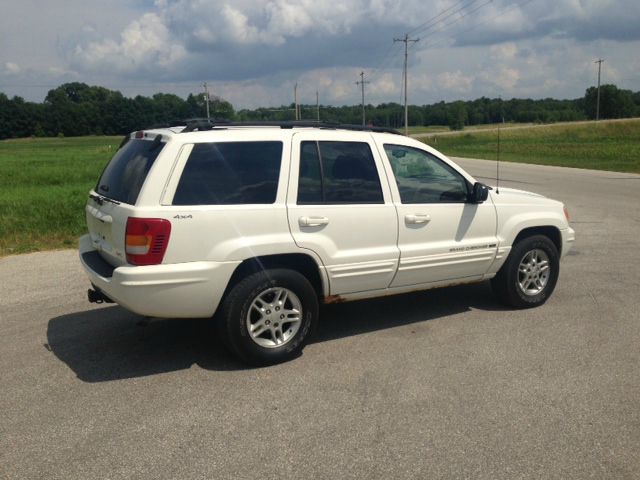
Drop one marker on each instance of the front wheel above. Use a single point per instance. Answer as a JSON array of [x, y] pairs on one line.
[[529, 274], [269, 316]]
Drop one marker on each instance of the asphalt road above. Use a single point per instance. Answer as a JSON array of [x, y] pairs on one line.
[[442, 384]]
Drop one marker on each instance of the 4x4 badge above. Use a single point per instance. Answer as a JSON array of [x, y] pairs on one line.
[[182, 217]]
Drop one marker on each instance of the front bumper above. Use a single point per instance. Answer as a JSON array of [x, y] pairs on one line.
[[183, 290], [568, 238]]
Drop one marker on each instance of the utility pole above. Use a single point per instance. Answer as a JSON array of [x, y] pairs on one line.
[[295, 99], [362, 82], [206, 98], [599, 62], [406, 41], [317, 106]]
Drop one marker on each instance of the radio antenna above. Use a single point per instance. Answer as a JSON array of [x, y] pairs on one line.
[[498, 164]]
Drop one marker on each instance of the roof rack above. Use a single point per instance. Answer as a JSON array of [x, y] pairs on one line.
[[198, 124]]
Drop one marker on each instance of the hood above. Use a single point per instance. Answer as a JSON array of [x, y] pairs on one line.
[[520, 197], [516, 192]]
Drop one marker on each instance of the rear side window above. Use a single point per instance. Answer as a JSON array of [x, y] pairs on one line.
[[228, 173], [128, 169], [338, 172]]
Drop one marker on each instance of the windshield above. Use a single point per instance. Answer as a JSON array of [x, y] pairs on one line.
[[127, 170]]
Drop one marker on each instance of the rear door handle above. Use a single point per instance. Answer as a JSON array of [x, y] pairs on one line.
[[417, 218], [312, 221]]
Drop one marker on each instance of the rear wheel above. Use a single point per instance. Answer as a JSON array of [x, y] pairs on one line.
[[530, 273], [269, 316]]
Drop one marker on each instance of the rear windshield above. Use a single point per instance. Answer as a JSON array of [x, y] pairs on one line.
[[127, 170]]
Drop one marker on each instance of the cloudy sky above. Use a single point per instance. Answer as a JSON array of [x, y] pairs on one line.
[[252, 52]]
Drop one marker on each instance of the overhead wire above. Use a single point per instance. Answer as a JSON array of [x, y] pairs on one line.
[[434, 19], [454, 9], [463, 14], [510, 8], [389, 55]]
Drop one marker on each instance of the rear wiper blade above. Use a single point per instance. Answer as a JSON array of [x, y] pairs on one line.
[[110, 200], [99, 199]]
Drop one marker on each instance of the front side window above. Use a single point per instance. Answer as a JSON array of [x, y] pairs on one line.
[[337, 173], [423, 178], [228, 173]]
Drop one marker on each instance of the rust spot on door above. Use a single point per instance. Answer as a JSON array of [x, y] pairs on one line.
[[331, 299]]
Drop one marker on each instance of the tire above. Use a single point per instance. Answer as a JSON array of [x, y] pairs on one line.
[[258, 319], [530, 273]]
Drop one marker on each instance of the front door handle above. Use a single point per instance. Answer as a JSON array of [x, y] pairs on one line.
[[312, 221], [417, 218]]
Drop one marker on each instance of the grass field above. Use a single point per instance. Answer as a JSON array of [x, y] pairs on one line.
[[43, 189], [44, 182], [443, 128], [611, 146]]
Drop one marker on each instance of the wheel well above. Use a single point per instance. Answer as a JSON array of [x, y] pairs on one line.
[[550, 232], [298, 262]]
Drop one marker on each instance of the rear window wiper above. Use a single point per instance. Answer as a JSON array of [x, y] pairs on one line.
[[99, 199]]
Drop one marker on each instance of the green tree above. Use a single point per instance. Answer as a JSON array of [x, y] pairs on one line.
[[457, 115], [614, 103]]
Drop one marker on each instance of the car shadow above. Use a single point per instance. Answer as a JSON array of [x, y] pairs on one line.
[[112, 344]]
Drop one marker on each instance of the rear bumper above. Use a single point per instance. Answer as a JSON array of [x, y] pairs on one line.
[[183, 290]]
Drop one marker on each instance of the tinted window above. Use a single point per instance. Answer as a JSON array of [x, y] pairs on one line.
[[128, 169], [310, 181], [230, 173], [424, 178], [338, 172]]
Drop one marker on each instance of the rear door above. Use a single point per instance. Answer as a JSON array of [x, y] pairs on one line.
[[113, 199], [339, 206]]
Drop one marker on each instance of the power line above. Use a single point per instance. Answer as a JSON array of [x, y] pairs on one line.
[[456, 20], [479, 24], [432, 21], [389, 54], [362, 82]]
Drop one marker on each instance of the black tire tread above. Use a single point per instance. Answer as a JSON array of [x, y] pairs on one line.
[[504, 283], [230, 315]]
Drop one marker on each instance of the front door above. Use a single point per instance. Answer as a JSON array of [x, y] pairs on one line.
[[441, 235]]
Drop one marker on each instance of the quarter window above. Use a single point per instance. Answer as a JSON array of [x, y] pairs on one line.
[[338, 172], [228, 173], [423, 178]]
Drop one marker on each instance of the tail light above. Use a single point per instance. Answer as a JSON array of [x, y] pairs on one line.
[[146, 240]]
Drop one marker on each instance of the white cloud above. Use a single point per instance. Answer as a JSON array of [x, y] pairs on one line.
[[143, 42], [504, 51], [12, 68], [504, 77], [254, 50], [455, 81], [386, 85]]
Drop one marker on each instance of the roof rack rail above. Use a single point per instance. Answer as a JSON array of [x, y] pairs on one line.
[[199, 124]]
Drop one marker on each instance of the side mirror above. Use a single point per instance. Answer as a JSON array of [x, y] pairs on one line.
[[479, 193]]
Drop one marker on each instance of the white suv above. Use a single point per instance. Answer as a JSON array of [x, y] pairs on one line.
[[256, 225]]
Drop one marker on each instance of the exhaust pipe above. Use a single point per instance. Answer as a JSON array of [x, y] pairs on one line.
[[96, 296]]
